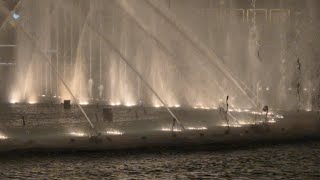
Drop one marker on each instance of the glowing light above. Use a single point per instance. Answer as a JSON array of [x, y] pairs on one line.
[[231, 125], [3, 137], [256, 113], [205, 107], [305, 89], [112, 103], [13, 101], [308, 110], [169, 129], [272, 121], [78, 134], [242, 123], [84, 103], [130, 104], [177, 106], [271, 113], [157, 105], [14, 98], [32, 102], [54, 96], [196, 128], [43, 95], [197, 106], [15, 16], [246, 110], [267, 89], [114, 132], [279, 116]]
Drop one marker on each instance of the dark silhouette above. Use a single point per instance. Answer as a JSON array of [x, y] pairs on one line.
[[23, 121]]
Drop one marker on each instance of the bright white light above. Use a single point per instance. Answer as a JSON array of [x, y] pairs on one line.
[[244, 123], [205, 107], [231, 125], [54, 96], [267, 89], [272, 121], [271, 113], [78, 134], [14, 98], [32, 100], [305, 89], [114, 132], [279, 116], [157, 105], [15, 16], [84, 103], [169, 129], [3, 137], [177, 106], [43, 95], [130, 104], [13, 101], [196, 128], [256, 113], [246, 110], [308, 110]]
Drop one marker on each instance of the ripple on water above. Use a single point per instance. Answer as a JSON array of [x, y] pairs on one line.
[[275, 162]]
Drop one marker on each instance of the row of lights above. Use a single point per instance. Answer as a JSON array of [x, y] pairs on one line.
[[179, 130], [107, 132], [289, 89]]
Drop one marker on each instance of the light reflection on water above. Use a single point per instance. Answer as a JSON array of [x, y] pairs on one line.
[[279, 161]]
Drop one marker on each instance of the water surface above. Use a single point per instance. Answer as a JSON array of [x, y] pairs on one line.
[[298, 160]]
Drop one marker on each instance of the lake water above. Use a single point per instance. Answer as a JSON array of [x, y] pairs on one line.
[[295, 160]]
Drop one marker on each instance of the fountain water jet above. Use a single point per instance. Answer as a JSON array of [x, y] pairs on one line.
[[48, 61]]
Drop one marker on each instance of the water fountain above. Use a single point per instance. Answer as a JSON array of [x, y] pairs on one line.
[[139, 57]]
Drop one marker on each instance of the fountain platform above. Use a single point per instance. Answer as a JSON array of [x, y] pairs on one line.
[[51, 127]]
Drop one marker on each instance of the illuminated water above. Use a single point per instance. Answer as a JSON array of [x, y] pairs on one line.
[[298, 161]]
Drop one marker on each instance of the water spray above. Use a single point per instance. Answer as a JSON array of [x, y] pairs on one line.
[[124, 59], [153, 36], [47, 59], [209, 54]]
